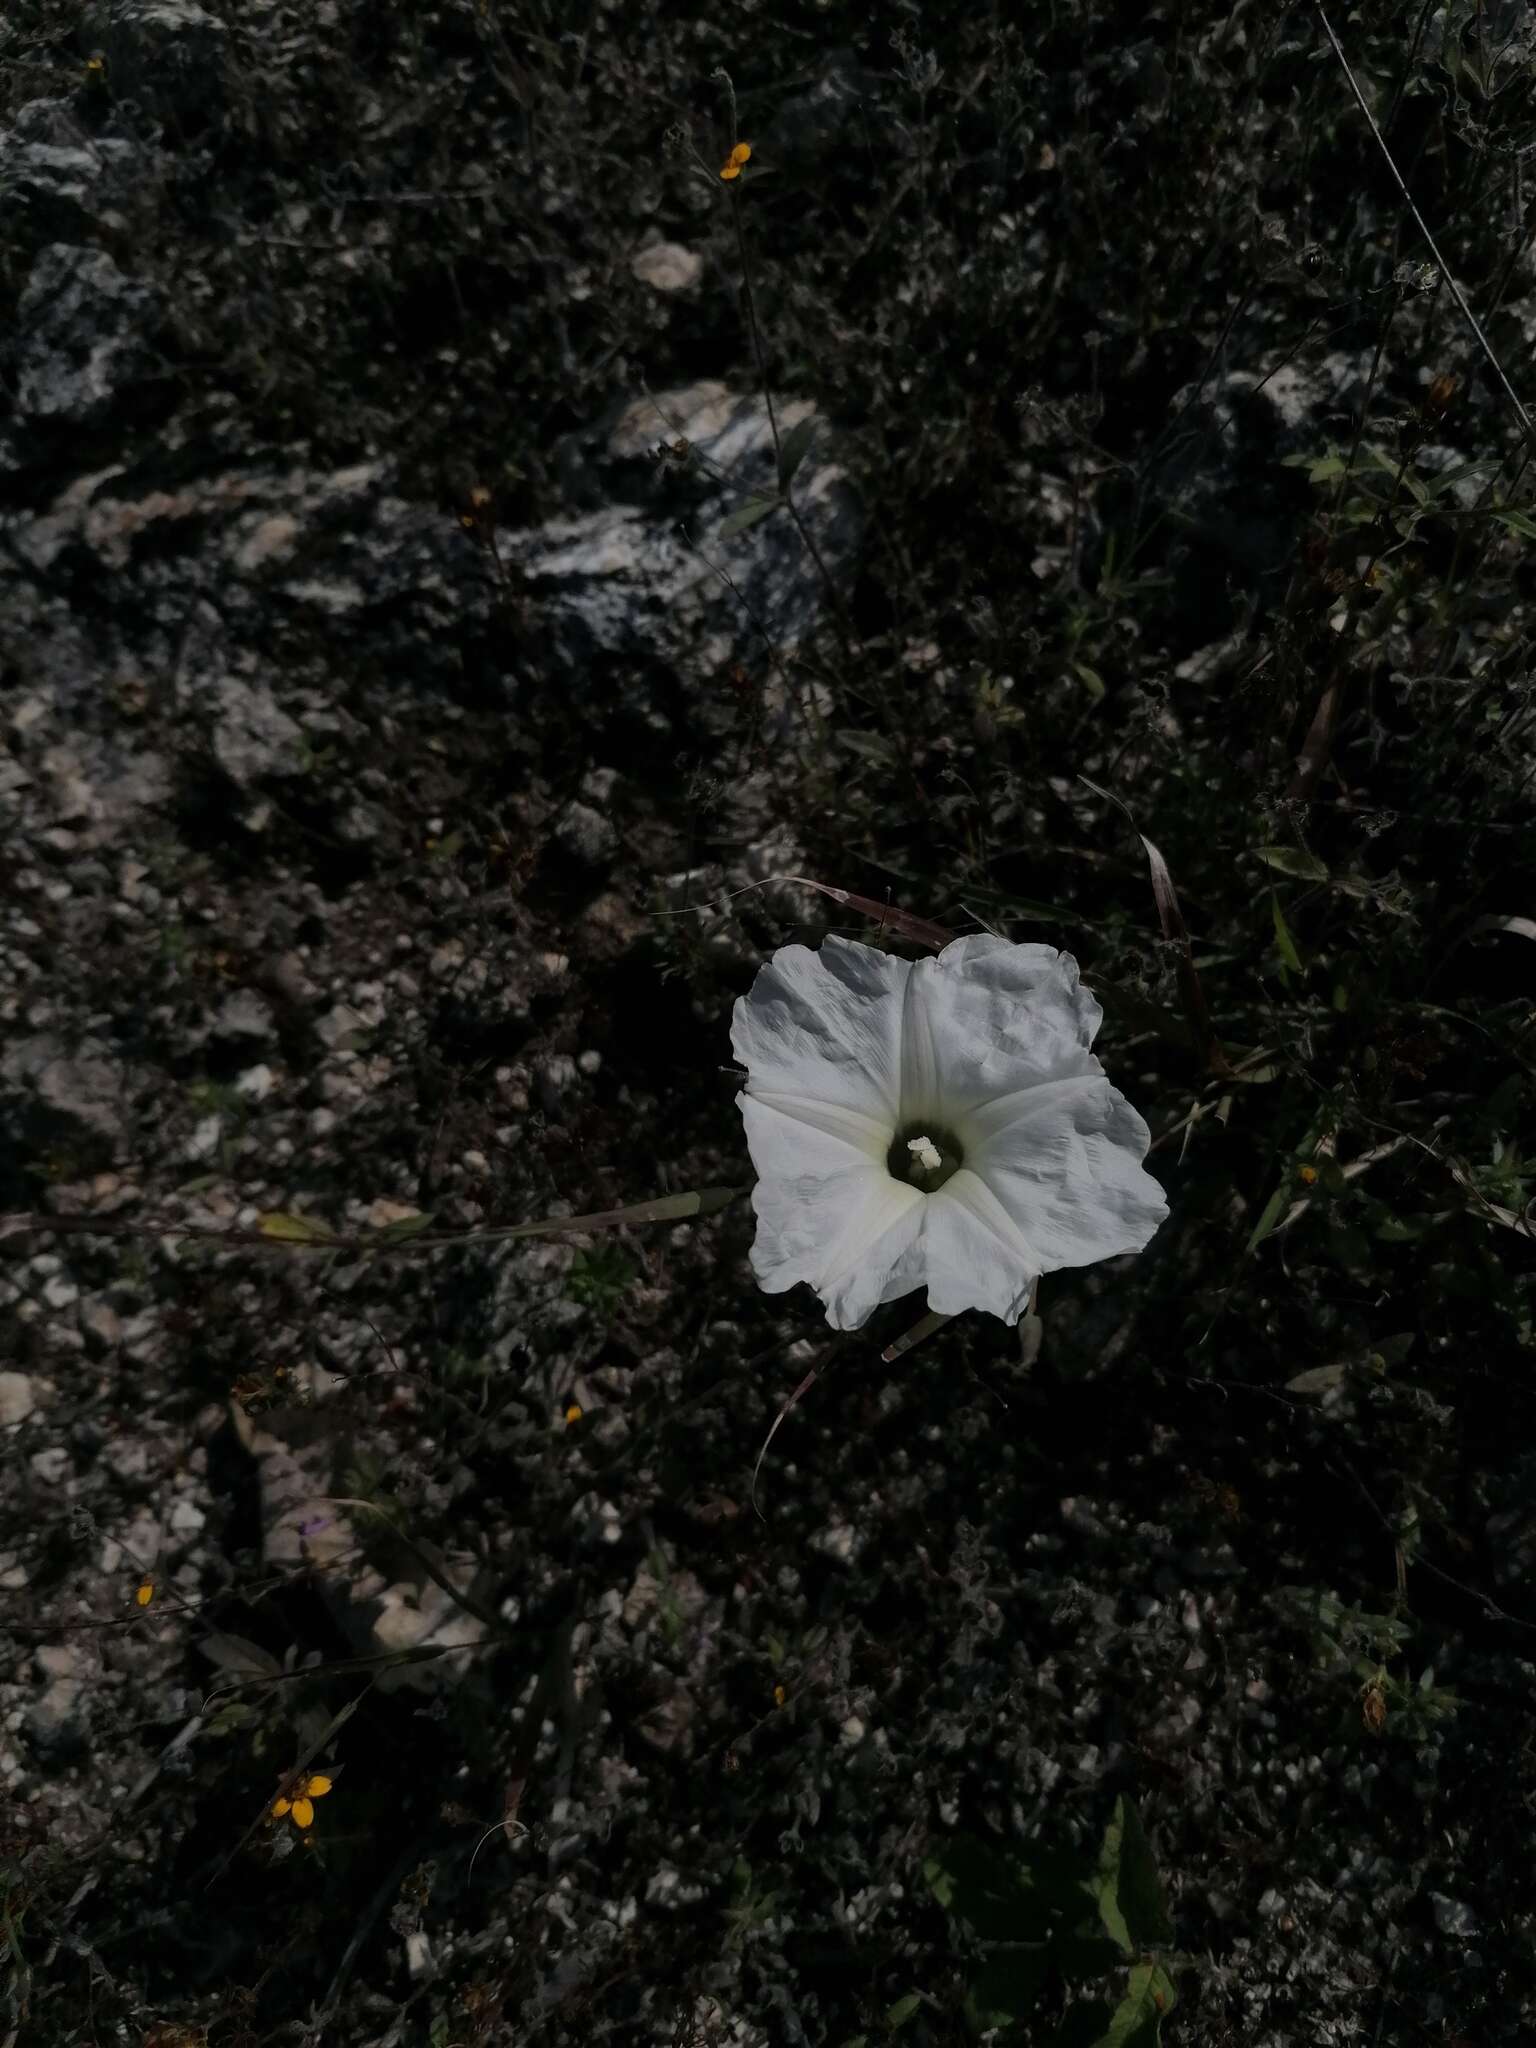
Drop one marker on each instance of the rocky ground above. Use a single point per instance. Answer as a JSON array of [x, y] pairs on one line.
[[417, 684]]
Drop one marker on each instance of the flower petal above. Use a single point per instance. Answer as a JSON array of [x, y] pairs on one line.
[[853, 1235], [975, 1253], [280, 1807], [318, 1786], [985, 1019], [303, 1814], [825, 1027], [864, 1137], [1068, 1170]]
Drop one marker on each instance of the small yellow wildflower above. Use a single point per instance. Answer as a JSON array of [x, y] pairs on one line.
[[741, 154], [1306, 1174], [146, 1592], [779, 1695], [301, 1805], [573, 1413]]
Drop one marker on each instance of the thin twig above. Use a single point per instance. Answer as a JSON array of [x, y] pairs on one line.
[[1527, 425]]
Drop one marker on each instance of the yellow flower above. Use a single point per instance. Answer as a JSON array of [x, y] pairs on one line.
[[146, 1592], [779, 1695], [573, 1413], [301, 1805], [1306, 1174], [741, 154]]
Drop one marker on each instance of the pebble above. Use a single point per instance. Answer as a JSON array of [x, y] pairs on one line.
[[17, 1400]]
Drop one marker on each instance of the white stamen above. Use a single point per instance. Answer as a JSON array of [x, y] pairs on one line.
[[926, 1153]]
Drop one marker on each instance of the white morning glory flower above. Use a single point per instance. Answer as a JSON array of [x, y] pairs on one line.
[[938, 1124]]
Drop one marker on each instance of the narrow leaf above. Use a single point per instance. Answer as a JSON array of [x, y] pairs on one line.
[[1171, 918], [1274, 1209], [407, 1227], [1524, 926], [1283, 939], [286, 1228], [930, 1322], [910, 926], [747, 515], [1290, 860], [237, 1655], [796, 446], [1090, 678], [661, 1209], [1319, 1379]]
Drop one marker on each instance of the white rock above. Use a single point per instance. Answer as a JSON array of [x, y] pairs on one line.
[[187, 1519], [667, 266], [17, 1399], [204, 1141]]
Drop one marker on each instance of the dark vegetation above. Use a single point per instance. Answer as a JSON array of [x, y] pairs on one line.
[[1195, 509]]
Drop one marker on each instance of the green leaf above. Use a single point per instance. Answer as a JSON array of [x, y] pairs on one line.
[[898, 2014], [407, 1227], [285, 1228], [1283, 939], [869, 746], [1090, 678], [1138, 2019], [1401, 1229], [748, 515], [1129, 1893], [795, 448], [986, 1890], [1009, 1985], [1318, 1379], [1348, 1248], [1290, 860], [1081, 1957], [1517, 522], [1084, 2026], [1274, 1209]]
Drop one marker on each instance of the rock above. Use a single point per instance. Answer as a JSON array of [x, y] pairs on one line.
[[55, 1725], [57, 180], [244, 1014], [52, 1465], [622, 584], [17, 1400], [100, 1321], [165, 55], [82, 331], [667, 266], [252, 736], [587, 835], [82, 1087]]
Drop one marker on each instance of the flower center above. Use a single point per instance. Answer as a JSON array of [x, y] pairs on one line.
[[924, 1158]]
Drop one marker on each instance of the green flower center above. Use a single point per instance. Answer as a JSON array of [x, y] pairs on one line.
[[924, 1158]]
